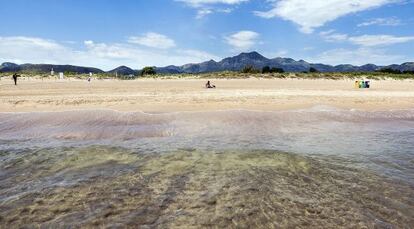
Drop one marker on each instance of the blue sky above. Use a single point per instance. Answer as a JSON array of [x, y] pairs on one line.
[[137, 33]]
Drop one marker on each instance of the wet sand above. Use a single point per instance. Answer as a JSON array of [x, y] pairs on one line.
[[169, 95]]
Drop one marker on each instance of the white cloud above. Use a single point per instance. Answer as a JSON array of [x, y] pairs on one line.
[[359, 56], [22, 49], [381, 21], [88, 42], [370, 49], [313, 14], [279, 53], [22, 42], [101, 55], [331, 36], [199, 3], [309, 48], [226, 10], [199, 56], [153, 40], [365, 40], [379, 40], [242, 40], [203, 12], [206, 7]]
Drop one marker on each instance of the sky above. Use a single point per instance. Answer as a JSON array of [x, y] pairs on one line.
[[138, 33]]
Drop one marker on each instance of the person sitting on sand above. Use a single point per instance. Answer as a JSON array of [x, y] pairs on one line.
[[208, 85]]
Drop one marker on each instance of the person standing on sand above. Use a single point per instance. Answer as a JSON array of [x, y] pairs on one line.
[[15, 78]]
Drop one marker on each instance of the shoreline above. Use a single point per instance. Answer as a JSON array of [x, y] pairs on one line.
[[177, 95]]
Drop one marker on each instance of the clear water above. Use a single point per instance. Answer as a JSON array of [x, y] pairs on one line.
[[315, 167]]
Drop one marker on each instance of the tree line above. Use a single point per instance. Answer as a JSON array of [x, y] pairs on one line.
[[394, 71], [267, 69]]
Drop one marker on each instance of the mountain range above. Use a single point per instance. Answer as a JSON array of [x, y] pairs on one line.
[[44, 68], [235, 63]]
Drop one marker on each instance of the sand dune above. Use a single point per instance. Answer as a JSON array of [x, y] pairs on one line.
[[166, 95]]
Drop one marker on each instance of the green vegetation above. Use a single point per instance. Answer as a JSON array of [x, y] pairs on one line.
[[267, 69], [276, 70], [250, 69], [148, 71], [280, 75], [313, 70], [70, 75], [394, 71], [245, 73]]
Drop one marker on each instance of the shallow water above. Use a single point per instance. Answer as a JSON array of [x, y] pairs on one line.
[[315, 167]]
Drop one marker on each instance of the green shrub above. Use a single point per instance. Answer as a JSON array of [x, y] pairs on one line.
[[277, 70], [148, 71], [390, 70], [312, 69], [250, 69], [266, 69]]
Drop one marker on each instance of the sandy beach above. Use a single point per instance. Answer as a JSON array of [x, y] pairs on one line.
[[168, 95]]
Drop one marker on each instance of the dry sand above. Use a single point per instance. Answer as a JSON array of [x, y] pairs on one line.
[[168, 95]]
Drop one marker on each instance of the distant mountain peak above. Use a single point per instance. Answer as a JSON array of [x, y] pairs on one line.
[[123, 70], [251, 55], [122, 67], [9, 64], [45, 68]]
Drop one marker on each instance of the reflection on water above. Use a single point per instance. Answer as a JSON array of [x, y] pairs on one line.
[[317, 167]]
